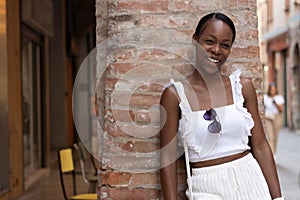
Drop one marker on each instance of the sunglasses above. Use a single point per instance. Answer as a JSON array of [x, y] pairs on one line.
[[215, 126]]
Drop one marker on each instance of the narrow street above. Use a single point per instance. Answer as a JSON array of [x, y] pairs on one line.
[[49, 187], [287, 159]]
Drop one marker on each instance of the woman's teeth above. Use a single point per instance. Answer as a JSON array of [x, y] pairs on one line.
[[213, 60]]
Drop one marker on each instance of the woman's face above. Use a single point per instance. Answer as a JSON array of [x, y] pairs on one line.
[[216, 40], [273, 90]]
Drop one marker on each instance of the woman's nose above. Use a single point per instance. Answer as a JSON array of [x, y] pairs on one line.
[[216, 49]]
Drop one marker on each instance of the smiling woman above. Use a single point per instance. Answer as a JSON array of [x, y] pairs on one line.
[[218, 124], [216, 38]]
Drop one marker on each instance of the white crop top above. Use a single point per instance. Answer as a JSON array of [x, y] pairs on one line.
[[235, 120]]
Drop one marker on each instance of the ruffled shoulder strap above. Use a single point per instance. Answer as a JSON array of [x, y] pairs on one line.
[[236, 87], [184, 104], [239, 100]]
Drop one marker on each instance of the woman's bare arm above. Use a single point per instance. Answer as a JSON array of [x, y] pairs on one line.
[[279, 107], [168, 142], [259, 144]]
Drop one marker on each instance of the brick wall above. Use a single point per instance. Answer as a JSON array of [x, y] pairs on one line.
[[146, 43]]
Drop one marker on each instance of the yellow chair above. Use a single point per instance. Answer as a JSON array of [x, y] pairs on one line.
[[66, 165], [87, 176]]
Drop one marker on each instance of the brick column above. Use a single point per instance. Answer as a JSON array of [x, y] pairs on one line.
[[147, 44]]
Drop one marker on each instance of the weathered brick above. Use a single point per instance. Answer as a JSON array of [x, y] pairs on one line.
[[246, 52], [110, 84], [115, 178], [146, 146], [156, 54], [129, 194], [236, 3], [118, 129], [131, 162], [144, 116], [150, 37], [145, 179], [250, 68], [204, 6], [120, 69], [155, 87], [125, 100], [180, 6], [245, 18], [144, 100], [122, 115], [125, 54], [149, 6], [172, 21], [154, 21], [139, 131], [113, 130], [248, 36], [181, 36]]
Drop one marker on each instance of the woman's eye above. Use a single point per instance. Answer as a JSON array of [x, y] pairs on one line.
[[226, 46], [209, 41]]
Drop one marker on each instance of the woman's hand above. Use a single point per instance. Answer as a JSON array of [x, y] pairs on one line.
[[279, 107]]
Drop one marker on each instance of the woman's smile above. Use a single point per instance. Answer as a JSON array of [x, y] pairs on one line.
[[213, 60]]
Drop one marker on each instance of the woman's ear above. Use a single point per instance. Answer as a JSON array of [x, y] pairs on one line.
[[195, 38]]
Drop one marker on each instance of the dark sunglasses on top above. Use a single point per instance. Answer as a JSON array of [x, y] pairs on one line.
[[215, 126]]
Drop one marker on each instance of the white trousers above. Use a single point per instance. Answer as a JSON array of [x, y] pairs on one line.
[[273, 127], [241, 179]]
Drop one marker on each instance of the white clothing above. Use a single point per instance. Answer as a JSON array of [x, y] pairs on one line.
[[270, 107], [273, 119], [235, 120], [241, 179]]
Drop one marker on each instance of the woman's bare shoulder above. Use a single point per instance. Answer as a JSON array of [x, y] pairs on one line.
[[169, 95], [248, 89], [247, 84]]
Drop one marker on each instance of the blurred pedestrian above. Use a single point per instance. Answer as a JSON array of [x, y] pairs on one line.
[[273, 103]]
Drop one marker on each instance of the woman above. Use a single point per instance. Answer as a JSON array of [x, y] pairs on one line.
[[273, 108], [214, 115]]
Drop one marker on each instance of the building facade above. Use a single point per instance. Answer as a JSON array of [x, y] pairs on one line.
[[279, 23], [141, 39], [42, 45]]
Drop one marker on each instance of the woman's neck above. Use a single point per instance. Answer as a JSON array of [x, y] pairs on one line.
[[208, 79]]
